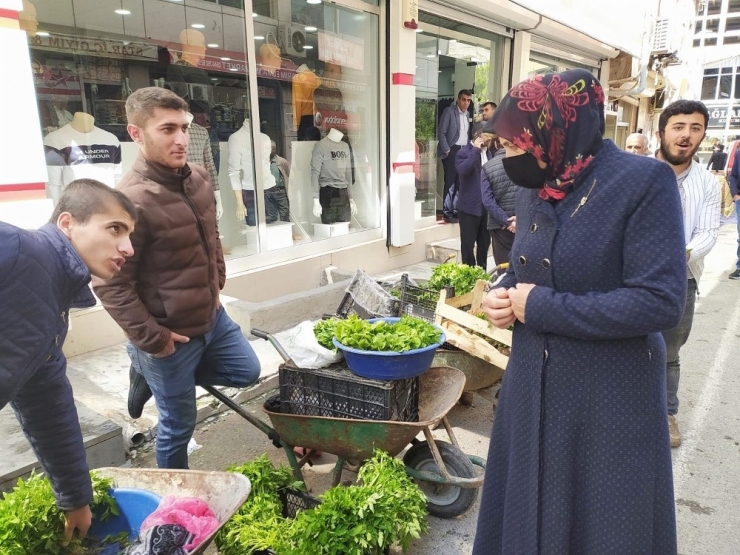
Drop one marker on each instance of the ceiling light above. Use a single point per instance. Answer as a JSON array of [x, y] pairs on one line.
[[212, 45], [453, 41], [313, 1], [214, 78], [307, 47], [418, 30], [121, 11], [198, 26], [225, 59], [233, 69], [311, 29], [431, 55], [42, 33], [259, 37], [254, 14]]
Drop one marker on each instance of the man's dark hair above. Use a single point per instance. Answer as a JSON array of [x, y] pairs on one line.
[[83, 198], [142, 102], [682, 107], [721, 147], [462, 92], [489, 103]]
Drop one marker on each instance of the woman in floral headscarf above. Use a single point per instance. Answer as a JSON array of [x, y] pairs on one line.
[[579, 459]]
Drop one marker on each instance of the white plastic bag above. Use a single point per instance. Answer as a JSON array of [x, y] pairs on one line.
[[304, 349]]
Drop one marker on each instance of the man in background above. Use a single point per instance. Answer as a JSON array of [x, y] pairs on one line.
[[718, 159], [637, 143], [681, 129], [454, 132], [277, 206], [487, 110]]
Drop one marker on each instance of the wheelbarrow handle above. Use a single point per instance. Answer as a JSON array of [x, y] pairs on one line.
[[274, 342]]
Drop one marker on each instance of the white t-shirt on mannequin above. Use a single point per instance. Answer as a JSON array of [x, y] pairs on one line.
[[93, 155]]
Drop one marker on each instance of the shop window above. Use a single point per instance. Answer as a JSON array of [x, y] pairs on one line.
[[87, 59], [732, 24], [714, 7], [710, 42], [709, 88], [698, 26], [732, 39], [725, 86], [696, 43], [712, 25], [733, 6], [737, 85]]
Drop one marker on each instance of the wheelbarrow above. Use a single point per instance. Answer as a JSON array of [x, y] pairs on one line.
[[446, 475], [224, 492]]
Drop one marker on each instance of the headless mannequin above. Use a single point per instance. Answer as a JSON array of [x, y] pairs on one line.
[[193, 45], [82, 122], [27, 19], [334, 135]]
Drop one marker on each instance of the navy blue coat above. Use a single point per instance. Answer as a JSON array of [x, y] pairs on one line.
[[468, 165], [41, 278], [579, 460]]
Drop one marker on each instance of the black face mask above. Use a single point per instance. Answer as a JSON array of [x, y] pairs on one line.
[[524, 171]]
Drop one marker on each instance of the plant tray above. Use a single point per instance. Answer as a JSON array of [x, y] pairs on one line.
[[336, 392]]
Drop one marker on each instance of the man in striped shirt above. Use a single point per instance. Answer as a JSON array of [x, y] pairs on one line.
[[681, 129]]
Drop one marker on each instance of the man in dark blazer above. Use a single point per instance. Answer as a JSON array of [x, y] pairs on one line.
[[454, 131]]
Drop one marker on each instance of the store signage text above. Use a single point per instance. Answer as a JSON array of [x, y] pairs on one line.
[[340, 50], [718, 117], [97, 47]]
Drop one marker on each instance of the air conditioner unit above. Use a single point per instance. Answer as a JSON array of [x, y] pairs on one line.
[[292, 39], [663, 36]]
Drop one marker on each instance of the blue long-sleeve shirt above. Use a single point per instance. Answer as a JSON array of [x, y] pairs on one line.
[[734, 174]]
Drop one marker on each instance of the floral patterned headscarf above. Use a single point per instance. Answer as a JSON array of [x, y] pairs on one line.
[[559, 119]]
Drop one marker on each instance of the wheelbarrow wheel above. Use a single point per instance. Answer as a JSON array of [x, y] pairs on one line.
[[443, 500]]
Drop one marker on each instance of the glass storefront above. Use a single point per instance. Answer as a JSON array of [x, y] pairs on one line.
[[312, 171], [450, 56]]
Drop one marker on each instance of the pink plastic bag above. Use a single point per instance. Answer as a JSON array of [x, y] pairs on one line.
[[191, 513]]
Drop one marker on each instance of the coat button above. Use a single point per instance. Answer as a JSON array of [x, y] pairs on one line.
[[533, 228], [546, 264], [522, 261]]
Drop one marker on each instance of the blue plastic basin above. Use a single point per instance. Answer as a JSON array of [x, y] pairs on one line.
[[389, 365], [134, 505]]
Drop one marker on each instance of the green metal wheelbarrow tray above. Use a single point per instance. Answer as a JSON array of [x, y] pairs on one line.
[[447, 476]]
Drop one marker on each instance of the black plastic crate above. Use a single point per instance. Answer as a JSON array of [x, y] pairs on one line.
[[348, 305], [417, 301], [337, 392]]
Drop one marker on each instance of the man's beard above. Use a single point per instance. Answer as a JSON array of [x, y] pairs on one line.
[[674, 160]]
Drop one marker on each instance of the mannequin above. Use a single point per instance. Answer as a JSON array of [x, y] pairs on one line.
[[241, 173], [193, 45], [331, 179], [305, 82], [270, 58], [81, 150]]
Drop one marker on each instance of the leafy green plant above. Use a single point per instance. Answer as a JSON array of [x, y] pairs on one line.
[[31, 523], [407, 334], [324, 332], [258, 525], [384, 508], [460, 276]]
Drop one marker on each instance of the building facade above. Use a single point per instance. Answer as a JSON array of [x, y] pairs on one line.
[[280, 75]]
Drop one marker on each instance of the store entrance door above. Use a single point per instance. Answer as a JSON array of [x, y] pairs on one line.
[[450, 57]]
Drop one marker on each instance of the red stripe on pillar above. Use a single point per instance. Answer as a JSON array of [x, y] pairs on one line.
[[403, 79], [22, 187], [9, 14]]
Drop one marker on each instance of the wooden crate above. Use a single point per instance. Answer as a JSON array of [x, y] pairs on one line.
[[462, 326]]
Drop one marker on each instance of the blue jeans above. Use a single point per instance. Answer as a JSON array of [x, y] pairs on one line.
[[675, 338], [220, 357], [737, 215]]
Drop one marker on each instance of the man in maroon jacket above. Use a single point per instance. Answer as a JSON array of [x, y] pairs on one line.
[[166, 298]]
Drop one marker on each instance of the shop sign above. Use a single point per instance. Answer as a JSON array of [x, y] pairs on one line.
[[718, 116], [94, 46], [341, 50]]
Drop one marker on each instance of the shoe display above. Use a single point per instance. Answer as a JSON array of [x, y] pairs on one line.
[[673, 432], [735, 275], [138, 393]]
